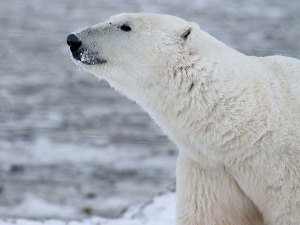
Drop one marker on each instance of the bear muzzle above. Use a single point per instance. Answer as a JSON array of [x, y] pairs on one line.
[[80, 54]]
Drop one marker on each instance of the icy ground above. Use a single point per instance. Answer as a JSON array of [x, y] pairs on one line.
[[161, 210], [70, 146]]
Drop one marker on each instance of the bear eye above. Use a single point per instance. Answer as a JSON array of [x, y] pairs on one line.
[[125, 27]]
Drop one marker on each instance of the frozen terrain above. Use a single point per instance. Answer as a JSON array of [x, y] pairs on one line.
[[72, 148], [157, 211]]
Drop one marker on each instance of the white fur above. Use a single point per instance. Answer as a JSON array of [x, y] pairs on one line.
[[235, 118]]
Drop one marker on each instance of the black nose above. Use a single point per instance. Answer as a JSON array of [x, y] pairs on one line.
[[74, 42]]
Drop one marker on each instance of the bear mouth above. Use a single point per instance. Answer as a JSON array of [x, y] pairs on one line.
[[87, 58]]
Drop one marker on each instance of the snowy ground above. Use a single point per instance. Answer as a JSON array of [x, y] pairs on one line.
[[71, 147], [158, 211]]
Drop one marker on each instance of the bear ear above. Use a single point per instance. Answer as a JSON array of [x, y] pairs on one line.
[[190, 36], [189, 32]]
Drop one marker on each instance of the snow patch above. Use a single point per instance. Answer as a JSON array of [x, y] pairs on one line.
[[34, 207], [161, 210]]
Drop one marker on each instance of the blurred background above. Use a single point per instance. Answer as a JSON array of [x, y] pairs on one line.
[[72, 147]]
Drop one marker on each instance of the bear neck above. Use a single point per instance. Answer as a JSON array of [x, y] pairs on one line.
[[207, 104]]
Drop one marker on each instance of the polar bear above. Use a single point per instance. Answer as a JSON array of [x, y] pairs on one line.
[[234, 118]]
